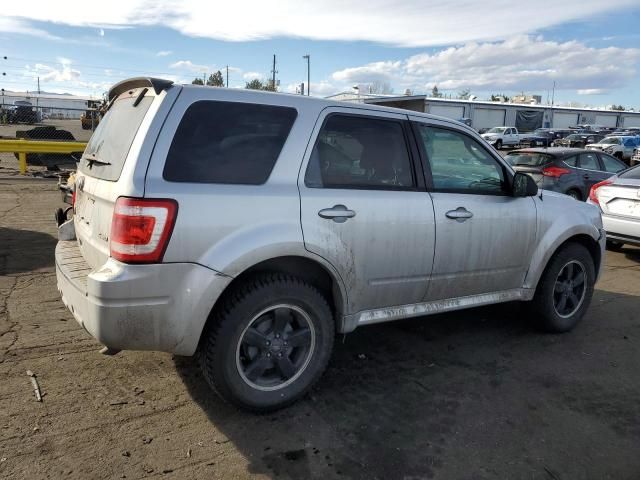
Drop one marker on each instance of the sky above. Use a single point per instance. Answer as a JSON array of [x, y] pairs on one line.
[[589, 48]]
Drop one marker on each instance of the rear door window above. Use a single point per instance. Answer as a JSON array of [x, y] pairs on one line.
[[362, 153], [589, 161], [228, 142], [109, 146]]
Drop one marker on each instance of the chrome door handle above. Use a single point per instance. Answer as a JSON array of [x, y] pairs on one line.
[[337, 213], [460, 214]]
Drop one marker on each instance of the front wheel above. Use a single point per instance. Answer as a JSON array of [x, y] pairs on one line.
[[268, 343], [498, 144], [565, 289]]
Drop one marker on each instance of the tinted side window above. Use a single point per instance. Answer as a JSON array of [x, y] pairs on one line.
[[360, 152], [228, 142], [459, 164], [589, 161], [611, 164]]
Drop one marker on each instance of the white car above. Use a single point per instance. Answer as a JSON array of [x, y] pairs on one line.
[[619, 200], [621, 147], [502, 137]]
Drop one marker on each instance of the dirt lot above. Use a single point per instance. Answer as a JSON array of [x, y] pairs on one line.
[[472, 395]]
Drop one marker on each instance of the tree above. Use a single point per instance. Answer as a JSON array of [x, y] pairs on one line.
[[380, 88], [197, 81], [464, 94], [216, 80], [435, 93], [257, 84], [619, 108]]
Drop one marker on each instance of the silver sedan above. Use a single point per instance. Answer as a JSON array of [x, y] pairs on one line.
[[619, 199]]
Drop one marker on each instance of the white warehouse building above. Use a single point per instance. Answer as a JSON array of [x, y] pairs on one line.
[[485, 114]]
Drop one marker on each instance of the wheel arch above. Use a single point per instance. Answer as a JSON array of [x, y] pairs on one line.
[[312, 271], [587, 241]]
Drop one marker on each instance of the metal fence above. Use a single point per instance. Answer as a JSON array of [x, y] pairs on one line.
[[46, 123]]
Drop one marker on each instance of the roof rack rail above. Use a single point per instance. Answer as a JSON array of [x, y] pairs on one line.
[[158, 85]]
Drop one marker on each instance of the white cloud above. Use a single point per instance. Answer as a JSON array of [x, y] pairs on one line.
[[409, 23], [253, 75], [190, 66], [518, 63], [592, 91], [20, 27], [164, 53]]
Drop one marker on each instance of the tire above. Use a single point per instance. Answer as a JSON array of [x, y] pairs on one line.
[[614, 245], [241, 352], [550, 316], [498, 144], [575, 194], [618, 155]]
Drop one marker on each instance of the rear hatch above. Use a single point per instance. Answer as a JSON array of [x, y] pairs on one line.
[[531, 163], [102, 176]]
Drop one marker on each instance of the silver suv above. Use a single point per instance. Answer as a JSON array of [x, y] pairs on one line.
[[248, 228]]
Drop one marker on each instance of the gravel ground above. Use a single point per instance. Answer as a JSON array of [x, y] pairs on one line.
[[472, 395]]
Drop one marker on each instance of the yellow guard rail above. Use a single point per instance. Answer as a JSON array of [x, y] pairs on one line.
[[22, 147]]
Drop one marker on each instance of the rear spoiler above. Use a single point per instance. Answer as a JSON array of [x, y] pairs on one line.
[[158, 85]]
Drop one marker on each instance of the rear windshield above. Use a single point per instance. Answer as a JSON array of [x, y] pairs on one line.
[[524, 159], [107, 150], [228, 142], [631, 174]]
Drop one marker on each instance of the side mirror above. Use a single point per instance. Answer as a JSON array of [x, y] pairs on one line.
[[524, 185]]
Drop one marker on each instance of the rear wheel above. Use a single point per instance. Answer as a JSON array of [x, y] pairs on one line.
[[575, 194], [268, 343], [499, 144], [565, 289], [614, 245]]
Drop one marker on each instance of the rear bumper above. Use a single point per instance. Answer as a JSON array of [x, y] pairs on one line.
[[622, 229], [138, 307]]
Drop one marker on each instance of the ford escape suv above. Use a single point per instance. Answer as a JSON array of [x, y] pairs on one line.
[[248, 228]]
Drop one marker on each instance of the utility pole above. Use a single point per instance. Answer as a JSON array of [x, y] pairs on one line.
[[553, 95], [204, 78], [273, 73], [227, 76], [307, 57]]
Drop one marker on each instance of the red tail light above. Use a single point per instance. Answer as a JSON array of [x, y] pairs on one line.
[[73, 199], [141, 228], [592, 193], [555, 171]]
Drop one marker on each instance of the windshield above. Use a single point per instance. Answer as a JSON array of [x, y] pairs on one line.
[[631, 174], [497, 130], [611, 141], [107, 150], [528, 159], [575, 137]]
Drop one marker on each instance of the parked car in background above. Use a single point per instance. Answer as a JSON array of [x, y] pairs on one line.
[[543, 137], [23, 112], [322, 218], [570, 171], [635, 158], [619, 201], [627, 132], [577, 140], [502, 137], [619, 147]]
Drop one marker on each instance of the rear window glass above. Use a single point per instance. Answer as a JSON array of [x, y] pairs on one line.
[[228, 142], [109, 146], [528, 159], [632, 173]]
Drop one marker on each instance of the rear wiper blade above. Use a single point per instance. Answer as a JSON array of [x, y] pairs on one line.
[[93, 160]]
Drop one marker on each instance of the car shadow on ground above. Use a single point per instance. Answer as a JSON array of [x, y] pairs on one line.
[[397, 396], [632, 253], [23, 251]]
